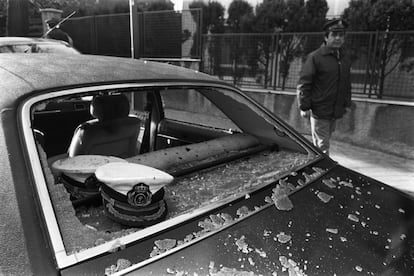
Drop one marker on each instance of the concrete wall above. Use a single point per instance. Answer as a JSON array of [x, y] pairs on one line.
[[384, 126]]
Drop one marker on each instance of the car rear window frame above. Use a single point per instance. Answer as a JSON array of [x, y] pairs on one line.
[[63, 259]]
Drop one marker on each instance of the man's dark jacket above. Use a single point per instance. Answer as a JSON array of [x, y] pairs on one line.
[[324, 85]]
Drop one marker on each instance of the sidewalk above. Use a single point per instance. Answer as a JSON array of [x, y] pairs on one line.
[[389, 169]]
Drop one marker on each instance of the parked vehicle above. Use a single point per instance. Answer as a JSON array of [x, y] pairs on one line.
[[35, 45], [127, 167]]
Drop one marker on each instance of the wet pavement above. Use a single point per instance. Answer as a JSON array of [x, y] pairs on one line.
[[389, 169]]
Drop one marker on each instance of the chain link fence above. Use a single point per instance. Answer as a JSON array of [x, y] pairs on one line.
[[101, 34], [162, 34], [274, 61], [169, 34]]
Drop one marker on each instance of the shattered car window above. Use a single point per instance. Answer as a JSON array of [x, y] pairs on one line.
[[185, 148], [191, 103]]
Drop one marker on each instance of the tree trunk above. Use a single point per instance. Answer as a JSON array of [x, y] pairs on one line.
[[266, 72], [383, 65]]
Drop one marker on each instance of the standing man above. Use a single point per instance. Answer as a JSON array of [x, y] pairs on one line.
[[54, 32], [324, 86]]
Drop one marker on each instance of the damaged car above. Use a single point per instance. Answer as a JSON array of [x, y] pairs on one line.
[[116, 166]]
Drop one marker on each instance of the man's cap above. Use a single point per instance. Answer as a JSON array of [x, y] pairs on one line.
[[335, 25], [123, 176], [52, 22], [80, 167]]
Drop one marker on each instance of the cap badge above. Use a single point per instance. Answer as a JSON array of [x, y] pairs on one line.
[[139, 195]]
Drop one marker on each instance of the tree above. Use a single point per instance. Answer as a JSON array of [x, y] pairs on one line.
[[200, 5], [290, 16], [384, 17], [240, 15], [270, 16], [215, 15], [212, 22], [269, 19], [3, 17], [94, 7], [315, 15], [212, 16], [314, 20], [392, 15], [286, 19], [160, 6], [357, 15], [291, 44], [240, 19]]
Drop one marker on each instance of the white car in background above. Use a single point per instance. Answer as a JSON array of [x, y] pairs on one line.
[[35, 45]]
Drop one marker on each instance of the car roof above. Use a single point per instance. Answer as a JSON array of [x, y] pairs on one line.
[[24, 73]]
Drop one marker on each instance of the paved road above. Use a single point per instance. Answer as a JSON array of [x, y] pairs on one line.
[[392, 170]]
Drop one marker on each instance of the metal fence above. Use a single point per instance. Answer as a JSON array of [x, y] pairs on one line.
[[170, 34], [270, 61], [274, 61], [101, 34], [162, 34]]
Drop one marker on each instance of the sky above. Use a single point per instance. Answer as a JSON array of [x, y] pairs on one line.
[[335, 6]]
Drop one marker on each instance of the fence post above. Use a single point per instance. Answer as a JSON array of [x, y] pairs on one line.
[[272, 55], [94, 32], [367, 65], [374, 64], [276, 61], [200, 38], [133, 28]]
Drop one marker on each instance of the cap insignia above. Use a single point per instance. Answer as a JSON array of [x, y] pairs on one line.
[[139, 195]]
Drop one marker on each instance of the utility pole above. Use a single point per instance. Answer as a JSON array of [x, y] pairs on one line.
[[133, 28], [17, 17]]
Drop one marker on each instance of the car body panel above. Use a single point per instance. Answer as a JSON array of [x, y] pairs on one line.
[[342, 236], [345, 236], [40, 72], [140, 252], [22, 229]]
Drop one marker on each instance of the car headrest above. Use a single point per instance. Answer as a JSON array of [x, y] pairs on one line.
[[110, 107]]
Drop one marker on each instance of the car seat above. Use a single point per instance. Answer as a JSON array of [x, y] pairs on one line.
[[113, 132]]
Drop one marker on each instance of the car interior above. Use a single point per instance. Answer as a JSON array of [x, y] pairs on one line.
[[178, 130], [113, 132]]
